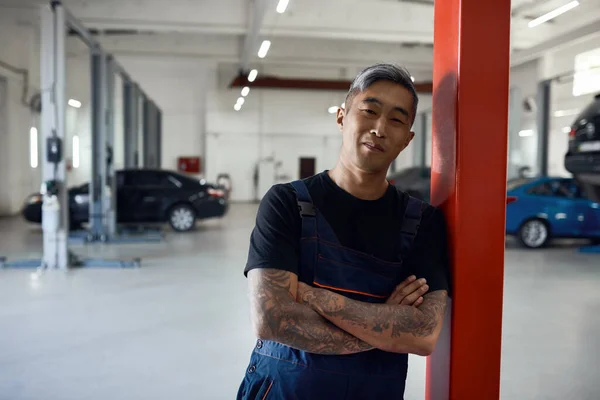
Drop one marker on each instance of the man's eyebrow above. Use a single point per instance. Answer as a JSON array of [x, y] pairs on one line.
[[375, 100]]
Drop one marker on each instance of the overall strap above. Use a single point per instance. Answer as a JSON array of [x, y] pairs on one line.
[[410, 225], [306, 209]]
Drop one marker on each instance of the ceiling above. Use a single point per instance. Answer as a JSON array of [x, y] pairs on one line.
[[334, 35]]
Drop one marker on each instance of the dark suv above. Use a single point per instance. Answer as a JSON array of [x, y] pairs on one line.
[[146, 196], [583, 156]]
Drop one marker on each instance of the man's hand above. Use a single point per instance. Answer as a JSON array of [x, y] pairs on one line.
[[277, 316], [394, 327], [408, 293]]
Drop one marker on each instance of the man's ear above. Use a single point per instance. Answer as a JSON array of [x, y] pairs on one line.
[[409, 139], [341, 113]]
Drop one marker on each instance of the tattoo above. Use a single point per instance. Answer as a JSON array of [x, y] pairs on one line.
[[380, 319], [431, 311], [280, 318]]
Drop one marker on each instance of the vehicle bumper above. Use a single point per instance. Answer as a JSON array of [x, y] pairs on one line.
[[583, 163], [212, 208]]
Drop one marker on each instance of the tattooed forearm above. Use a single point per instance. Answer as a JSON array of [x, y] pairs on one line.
[[397, 328], [277, 316]]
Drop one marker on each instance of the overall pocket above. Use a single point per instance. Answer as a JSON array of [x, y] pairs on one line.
[[264, 390], [363, 280]]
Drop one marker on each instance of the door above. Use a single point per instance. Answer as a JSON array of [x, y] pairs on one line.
[[556, 199], [307, 167]]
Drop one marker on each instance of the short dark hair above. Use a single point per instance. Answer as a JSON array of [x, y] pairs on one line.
[[383, 72]]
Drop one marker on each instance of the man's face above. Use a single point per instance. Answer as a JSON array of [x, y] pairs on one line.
[[376, 126]]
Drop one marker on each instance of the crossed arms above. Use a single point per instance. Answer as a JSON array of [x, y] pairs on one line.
[[320, 321]]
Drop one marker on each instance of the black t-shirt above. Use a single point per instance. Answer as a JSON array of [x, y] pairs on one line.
[[369, 226]]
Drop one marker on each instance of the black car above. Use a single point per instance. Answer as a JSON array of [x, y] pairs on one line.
[[416, 181], [583, 156], [146, 196]]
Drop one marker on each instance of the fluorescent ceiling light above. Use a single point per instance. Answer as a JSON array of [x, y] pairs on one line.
[[237, 107], [245, 91], [553, 14], [282, 5], [344, 106], [566, 129], [252, 75], [526, 133], [412, 78], [566, 113], [33, 147], [264, 48], [241, 101], [332, 110], [74, 103], [75, 151]]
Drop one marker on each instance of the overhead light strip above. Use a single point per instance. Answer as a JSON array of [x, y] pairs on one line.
[[553, 14]]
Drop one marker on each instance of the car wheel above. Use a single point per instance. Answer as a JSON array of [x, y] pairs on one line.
[[182, 218], [534, 233]]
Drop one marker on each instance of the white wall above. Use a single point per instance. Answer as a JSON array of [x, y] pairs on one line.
[[19, 46], [283, 124]]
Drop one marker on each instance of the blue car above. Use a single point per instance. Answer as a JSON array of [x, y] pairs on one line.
[[540, 209]]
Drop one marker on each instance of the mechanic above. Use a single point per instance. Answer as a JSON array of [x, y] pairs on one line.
[[347, 274]]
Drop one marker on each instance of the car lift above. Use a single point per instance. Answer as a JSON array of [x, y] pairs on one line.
[[544, 95], [55, 20]]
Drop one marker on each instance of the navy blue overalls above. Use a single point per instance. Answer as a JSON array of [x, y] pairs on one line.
[[279, 372]]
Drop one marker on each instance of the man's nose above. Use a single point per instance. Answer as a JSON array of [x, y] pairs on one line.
[[379, 129]]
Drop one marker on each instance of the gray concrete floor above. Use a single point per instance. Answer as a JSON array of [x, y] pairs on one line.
[[179, 328]]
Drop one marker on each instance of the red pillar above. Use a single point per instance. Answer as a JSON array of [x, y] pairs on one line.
[[470, 135]]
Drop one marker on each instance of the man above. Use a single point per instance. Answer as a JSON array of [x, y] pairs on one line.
[[338, 263]]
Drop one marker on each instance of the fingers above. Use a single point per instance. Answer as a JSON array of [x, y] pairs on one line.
[[418, 302], [408, 291], [411, 298]]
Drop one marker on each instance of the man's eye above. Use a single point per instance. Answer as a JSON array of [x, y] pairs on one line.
[[369, 111], [397, 120]]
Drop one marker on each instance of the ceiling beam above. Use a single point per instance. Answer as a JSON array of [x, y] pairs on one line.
[[273, 82], [580, 34], [257, 10]]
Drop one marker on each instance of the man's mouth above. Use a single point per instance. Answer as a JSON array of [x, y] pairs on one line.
[[374, 147]]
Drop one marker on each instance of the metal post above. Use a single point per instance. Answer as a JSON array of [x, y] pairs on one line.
[[130, 113], [110, 200], [52, 69], [146, 132], [158, 135], [98, 176], [469, 36], [543, 123]]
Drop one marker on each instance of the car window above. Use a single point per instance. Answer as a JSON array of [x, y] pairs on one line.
[[515, 183], [565, 188], [543, 189], [151, 179]]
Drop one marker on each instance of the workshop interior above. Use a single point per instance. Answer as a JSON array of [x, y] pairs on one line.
[[138, 138]]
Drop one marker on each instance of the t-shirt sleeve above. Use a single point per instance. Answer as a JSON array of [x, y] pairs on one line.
[[275, 239], [430, 258]]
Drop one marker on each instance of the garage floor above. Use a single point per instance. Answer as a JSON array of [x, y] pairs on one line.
[[178, 327]]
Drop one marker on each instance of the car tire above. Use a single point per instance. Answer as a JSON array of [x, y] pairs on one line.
[[182, 218], [534, 233]]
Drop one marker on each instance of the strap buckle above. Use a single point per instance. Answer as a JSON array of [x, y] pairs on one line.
[[307, 209]]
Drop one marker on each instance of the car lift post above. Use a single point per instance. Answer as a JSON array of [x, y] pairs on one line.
[[543, 123], [130, 113], [53, 78], [470, 125], [99, 127], [111, 200]]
